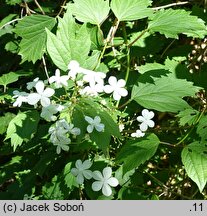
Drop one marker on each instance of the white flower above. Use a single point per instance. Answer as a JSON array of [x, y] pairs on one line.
[[74, 68], [92, 90], [138, 134], [20, 98], [82, 170], [93, 77], [74, 130], [121, 127], [62, 123], [32, 84], [49, 111], [60, 81], [42, 95], [117, 87], [146, 120], [94, 123], [59, 138], [80, 83], [104, 181]]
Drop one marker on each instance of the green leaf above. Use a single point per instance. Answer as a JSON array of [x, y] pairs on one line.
[[52, 191], [128, 10], [92, 11], [32, 31], [5, 121], [7, 19], [188, 116], [10, 77], [22, 127], [87, 107], [70, 180], [195, 163], [164, 95], [71, 42], [202, 128], [173, 22], [58, 51], [135, 153]]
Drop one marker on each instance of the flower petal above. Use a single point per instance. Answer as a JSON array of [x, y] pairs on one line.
[[99, 127], [112, 81], [80, 178], [89, 119], [123, 92], [145, 113], [87, 164], [150, 115], [45, 101], [108, 89], [87, 174], [143, 127], [33, 98], [58, 150], [140, 119], [106, 190], [97, 185], [97, 175], [48, 92], [79, 164], [113, 182], [74, 171], [107, 171], [121, 83], [97, 120], [90, 128], [116, 95], [40, 87], [150, 123], [73, 65]]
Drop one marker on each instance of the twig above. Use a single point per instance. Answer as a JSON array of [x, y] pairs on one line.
[[171, 5], [135, 40], [112, 31], [167, 48], [61, 9], [45, 67], [38, 5], [10, 22], [27, 8]]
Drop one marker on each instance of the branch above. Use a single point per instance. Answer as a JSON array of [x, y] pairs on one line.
[[10, 22], [171, 5], [38, 5], [61, 9]]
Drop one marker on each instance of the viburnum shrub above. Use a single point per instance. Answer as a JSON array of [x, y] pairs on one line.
[[103, 100]]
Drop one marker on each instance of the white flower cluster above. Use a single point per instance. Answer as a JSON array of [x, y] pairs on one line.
[[59, 134], [104, 181], [96, 82], [41, 95], [146, 122], [61, 130]]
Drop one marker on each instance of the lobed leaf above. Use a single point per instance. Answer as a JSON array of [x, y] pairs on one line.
[[22, 127], [32, 31], [195, 163], [71, 42], [11, 77], [202, 128], [128, 10], [173, 22], [188, 116], [92, 11], [164, 95], [135, 153]]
